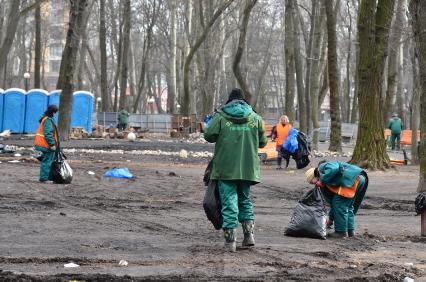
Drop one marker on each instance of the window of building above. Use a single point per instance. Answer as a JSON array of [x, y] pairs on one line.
[[55, 50], [54, 66]]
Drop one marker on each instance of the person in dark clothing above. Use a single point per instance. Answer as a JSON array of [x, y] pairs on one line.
[[395, 125]]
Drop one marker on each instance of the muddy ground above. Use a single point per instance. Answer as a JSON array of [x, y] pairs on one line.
[[157, 224]]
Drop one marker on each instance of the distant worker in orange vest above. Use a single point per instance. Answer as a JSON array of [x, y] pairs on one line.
[[280, 133], [344, 186], [46, 141]]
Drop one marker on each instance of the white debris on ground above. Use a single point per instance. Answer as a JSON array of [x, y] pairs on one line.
[[5, 133], [183, 154], [323, 154], [193, 154]]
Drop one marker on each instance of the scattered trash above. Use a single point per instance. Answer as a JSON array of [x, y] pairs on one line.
[[409, 264], [14, 161], [119, 173], [172, 173], [5, 133], [131, 136], [17, 155], [123, 263], [90, 172], [7, 148], [63, 214], [71, 265], [183, 154], [408, 279], [353, 266]]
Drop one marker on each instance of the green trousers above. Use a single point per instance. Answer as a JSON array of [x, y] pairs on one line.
[[342, 209], [395, 140], [46, 163], [236, 203]]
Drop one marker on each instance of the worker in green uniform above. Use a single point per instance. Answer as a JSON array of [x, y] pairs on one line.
[[395, 125], [123, 119], [46, 141], [344, 186], [238, 133]]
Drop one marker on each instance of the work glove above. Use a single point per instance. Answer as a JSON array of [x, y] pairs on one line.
[[53, 148]]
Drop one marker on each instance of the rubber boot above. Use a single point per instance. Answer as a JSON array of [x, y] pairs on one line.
[[351, 233], [248, 230], [230, 240], [337, 235]]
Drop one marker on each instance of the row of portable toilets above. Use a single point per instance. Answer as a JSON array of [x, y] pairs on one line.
[[20, 111]]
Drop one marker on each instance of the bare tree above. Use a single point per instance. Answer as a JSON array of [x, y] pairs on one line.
[[68, 62], [418, 11], [373, 32]]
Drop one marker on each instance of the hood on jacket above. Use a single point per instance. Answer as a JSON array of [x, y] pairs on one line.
[[237, 111]]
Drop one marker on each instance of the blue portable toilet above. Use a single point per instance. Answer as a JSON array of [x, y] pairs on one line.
[[54, 97], [82, 110], [14, 110], [36, 105], [1, 108]]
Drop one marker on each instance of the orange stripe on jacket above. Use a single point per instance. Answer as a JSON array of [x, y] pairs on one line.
[[40, 140], [347, 192]]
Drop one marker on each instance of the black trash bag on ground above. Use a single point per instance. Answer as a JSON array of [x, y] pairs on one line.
[[420, 203], [212, 205], [61, 171], [309, 217]]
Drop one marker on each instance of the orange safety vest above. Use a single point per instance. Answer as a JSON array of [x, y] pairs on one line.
[[40, 140], [282, 133], [347, 192]]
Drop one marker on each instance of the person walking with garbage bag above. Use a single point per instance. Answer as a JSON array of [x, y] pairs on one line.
[[344, 186], [46, 141], [280, 134], [238, 132]]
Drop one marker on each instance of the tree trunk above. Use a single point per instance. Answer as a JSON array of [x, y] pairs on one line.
[[105, 95], [194, 48], [373, 32], [68, 62], [418, 11], [415, 106], [393, 62], [171, 91], [289, 62], [37, 48], [301, 105], [335, 135], [249, 5], [127, 14], [11, 27]]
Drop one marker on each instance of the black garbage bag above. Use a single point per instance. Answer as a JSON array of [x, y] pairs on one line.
[[212, 205], [61, 170], [309, 217], [420, 203]]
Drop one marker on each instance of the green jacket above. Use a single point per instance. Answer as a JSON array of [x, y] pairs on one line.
[[123, 117], [238, 133], [337, 173], [395, 125]]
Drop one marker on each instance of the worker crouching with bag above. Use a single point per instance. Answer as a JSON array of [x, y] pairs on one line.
[[238, 133], [46, 141], [344, 187]]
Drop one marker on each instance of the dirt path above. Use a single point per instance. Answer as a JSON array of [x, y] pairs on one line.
[[157, 224]]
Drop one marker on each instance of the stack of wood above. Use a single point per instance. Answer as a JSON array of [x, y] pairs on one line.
[[98, 131], [78, 133], [113, 132]]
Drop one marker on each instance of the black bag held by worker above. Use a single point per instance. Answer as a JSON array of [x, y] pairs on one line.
[[211, 203], [309, 217], [420, 203], [61, 171], [301, 156]]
